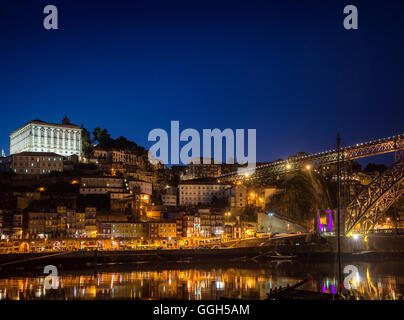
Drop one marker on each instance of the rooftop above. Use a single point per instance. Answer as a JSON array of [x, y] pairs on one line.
[[202, 182], [31, 153], [65, 124]]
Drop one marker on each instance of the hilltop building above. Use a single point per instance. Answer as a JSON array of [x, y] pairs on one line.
[[39, 136]]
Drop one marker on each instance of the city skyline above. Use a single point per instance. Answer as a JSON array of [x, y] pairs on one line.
[[198, 150], [266, 67]]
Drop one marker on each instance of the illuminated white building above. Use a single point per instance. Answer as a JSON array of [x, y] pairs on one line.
[[39, 136]]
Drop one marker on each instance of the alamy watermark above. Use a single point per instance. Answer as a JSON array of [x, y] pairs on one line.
[[191, 151], [52, 279], [352, 279]]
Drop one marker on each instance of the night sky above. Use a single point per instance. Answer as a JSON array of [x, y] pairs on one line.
[[286, 68]]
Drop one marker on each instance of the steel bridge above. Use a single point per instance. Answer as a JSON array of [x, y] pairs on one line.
[[373, 201], [277, 168], [370, 205]]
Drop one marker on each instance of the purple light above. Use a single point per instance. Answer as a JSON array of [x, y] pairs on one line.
[[333, 291], [324, 288], [330, 227], [320, 225]]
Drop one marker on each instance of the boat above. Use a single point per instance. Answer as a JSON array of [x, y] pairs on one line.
[[293, 293]]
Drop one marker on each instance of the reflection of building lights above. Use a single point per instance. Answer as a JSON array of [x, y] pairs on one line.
[[219, 284], [355, 237]]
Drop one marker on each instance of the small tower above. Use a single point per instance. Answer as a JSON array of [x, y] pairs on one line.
[[3, 154], [66, 120]]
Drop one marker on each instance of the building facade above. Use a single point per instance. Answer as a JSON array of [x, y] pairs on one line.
[[121, 229], [238, 198], [102, 185], [143, 187], [32, 162], [169, 200], [192, 193], [40, 136]]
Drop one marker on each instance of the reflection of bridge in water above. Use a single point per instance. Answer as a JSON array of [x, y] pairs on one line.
[[370, 204]]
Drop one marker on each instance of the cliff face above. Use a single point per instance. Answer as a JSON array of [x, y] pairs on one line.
[[305, 193]]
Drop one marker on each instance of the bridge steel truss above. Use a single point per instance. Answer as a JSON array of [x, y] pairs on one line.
[[277, 168], [372, 202]]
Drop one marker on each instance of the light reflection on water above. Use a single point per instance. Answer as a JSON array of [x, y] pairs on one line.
[[199, 283]]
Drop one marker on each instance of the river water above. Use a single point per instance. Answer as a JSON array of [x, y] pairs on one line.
[[381, 280]]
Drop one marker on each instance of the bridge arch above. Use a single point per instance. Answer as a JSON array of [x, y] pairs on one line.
[[372, 202]]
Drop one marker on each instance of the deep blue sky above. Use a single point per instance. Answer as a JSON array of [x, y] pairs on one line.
[[286, 68]]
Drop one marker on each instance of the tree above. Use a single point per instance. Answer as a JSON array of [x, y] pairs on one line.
[[372, 167], [250, 213], [298, 201], [86, 145], [356, 166], [156, 198], [102, 137], [221, 203], [106, 142]]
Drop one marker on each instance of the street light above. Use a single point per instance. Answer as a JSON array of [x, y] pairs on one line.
[[308, 167], [288, 166]]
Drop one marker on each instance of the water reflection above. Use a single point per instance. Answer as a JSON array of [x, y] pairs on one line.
[[199, 283]]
